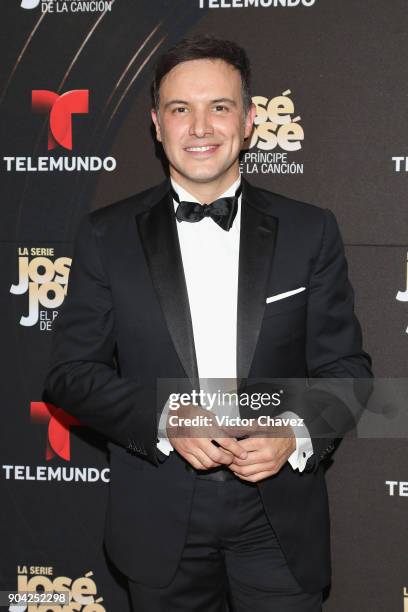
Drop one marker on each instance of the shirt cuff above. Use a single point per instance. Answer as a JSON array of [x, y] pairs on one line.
[[163, 443], [304, 447]]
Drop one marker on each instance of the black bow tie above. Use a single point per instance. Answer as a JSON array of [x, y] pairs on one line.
[[222, 211]]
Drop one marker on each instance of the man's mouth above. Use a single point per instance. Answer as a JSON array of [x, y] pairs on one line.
[[201, 149]]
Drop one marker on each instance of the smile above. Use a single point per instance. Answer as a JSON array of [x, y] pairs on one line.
[[201, 149]]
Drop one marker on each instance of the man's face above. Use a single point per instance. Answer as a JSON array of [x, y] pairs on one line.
[[201, 122]]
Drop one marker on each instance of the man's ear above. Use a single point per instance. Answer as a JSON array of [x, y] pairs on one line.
[[249, 120], [155, 119]]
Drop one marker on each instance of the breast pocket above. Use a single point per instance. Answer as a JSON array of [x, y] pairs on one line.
[[286, 305]]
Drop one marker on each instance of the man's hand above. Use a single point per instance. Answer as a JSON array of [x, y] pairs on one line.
[[266, 456], [195, 442]]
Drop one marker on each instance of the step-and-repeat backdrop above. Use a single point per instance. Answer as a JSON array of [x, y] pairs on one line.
[[331, 89]]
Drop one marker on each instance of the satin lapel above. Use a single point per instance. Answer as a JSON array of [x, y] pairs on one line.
[[158, 234], [257, 244]]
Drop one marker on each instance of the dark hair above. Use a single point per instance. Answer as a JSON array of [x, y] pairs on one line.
[[204, 47]]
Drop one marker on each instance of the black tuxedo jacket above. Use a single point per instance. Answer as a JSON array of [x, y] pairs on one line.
[[125, 323]]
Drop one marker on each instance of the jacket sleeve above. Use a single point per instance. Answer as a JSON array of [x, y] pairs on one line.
[[333, 349], [82, 378]]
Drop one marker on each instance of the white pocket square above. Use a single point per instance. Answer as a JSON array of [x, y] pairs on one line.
[[282, 296]]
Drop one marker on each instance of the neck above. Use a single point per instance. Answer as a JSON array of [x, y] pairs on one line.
[[206, 192]]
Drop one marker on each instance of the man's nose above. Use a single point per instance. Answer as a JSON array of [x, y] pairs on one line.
[[201, 124]]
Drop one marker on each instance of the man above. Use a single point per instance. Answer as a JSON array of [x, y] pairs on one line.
[[173, 283]]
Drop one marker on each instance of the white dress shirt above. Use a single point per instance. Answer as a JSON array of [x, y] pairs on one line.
[[210, 261]]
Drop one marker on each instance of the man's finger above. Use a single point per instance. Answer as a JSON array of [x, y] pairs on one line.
[[253, 457], [256, 477], [257, 443], [192, 460], [191, 450], [252, 444], [217, 453], [233, 446], [251, 470], [204, 458]]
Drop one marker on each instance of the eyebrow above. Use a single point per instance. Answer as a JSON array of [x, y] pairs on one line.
[[217, 101], [229, 100], [175, 102]]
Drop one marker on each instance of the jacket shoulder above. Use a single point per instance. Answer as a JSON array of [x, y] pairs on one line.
[[283, 206], [299, 222], [119, 212]]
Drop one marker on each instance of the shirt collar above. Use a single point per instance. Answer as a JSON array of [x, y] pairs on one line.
[[184, 195]]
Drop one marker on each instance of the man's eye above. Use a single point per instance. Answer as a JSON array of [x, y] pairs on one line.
[[220, 107], [180, 109]]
